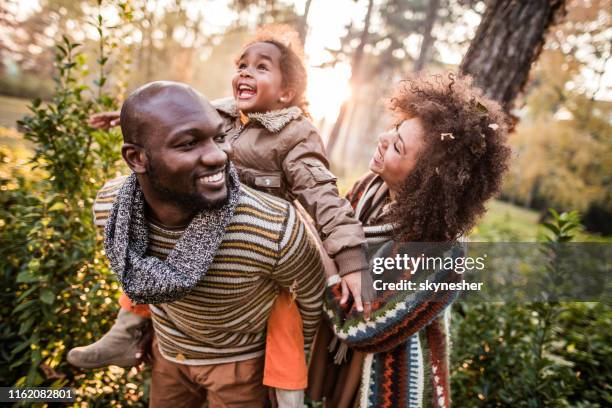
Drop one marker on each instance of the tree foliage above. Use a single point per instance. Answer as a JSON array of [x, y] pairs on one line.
[[563, 145], [57, 291]]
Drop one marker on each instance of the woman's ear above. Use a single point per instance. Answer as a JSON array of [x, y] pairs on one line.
[[135, 157], [286, 96]]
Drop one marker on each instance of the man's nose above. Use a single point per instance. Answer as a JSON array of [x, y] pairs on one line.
[[214, 156], [226, 146]]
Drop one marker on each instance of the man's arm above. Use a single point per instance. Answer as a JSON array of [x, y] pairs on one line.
[[299, 269]]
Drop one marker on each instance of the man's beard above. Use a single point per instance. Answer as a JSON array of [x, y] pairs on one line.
[[192, 202]]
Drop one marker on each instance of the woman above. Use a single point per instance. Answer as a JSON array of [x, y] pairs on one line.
[[430, 178]]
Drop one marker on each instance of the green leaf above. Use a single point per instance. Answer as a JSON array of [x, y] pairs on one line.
[[554, 213], [551, 227], [58, 206], [47, 296], [22, 346], [26, 277], [25, 305], [26, 294]]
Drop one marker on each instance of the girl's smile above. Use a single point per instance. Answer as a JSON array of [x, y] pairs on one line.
[[258, 82]]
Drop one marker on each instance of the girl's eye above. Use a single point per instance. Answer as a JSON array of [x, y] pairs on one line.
[[263, 67], [242, 65]]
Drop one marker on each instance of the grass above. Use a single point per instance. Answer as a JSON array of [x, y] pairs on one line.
[[507, 222], [11, 110]]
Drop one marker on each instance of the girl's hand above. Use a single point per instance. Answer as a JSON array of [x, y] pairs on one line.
[[350, 283], [104, 120]]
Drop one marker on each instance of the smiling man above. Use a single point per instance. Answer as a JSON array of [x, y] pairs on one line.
[[207, 253]]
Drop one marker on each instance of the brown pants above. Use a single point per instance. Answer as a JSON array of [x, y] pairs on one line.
[[228, 385]]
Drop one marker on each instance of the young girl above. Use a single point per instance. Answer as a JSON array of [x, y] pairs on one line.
[[275, 149]]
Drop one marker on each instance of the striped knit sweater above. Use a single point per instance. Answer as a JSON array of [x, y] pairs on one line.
[[224, 318], [407, 337]]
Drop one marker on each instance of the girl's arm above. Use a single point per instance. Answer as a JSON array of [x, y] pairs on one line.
[[105, 120]]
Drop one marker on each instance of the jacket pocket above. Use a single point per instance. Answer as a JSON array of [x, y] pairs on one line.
[[267, 181], [319, 172]]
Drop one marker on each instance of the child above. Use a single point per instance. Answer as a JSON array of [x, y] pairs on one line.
[[276, 149]]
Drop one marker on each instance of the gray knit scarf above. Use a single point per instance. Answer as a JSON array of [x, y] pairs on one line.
[[148, 279]]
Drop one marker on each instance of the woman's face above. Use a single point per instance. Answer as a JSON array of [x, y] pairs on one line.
[[397, 152]]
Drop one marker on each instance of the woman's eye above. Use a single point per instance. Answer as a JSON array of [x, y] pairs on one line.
[[395, 146]]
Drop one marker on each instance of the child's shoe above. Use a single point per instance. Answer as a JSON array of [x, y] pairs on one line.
[[120, 346]]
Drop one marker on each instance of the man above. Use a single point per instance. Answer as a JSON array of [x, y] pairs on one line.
[[209, 254]]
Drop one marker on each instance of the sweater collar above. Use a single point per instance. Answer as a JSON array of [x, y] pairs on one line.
[[273, 121]]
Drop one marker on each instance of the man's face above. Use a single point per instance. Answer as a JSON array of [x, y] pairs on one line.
[[187, 161]]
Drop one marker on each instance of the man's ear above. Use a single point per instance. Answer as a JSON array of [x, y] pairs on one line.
[[286, 96], [135, 157]]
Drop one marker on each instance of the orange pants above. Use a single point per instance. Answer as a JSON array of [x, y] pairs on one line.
[[285, 362]]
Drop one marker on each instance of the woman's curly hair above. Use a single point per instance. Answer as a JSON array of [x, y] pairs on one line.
[[292, 65], [462, 163]]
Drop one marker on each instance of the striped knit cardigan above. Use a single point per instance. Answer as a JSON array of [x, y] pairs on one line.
[[223, 319], [406, 340]]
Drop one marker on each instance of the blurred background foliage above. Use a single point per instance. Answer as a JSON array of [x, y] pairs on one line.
[[63, 60]]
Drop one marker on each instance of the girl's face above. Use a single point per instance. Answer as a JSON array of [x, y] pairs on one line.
[[257, 84], [397, 152]]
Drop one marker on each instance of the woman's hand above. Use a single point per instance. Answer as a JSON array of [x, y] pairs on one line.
[[105, 120]]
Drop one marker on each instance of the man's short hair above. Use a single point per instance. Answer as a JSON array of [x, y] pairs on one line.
[[136, 112]]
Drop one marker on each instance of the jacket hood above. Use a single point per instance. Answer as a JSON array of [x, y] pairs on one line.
[[273, 121]]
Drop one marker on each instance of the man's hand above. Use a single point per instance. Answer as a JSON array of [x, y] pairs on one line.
[[104, 120]]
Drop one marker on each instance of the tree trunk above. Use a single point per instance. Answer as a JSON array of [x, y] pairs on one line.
[[303, 26], [508, 40], [355, 77], [428, 40]]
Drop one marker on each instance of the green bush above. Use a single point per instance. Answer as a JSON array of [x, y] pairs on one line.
[[57, 290], [533, 354]]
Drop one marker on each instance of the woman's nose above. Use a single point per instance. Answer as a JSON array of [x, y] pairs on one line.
[[383, 139]]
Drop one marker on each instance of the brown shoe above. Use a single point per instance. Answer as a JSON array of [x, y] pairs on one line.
[[120, 346]]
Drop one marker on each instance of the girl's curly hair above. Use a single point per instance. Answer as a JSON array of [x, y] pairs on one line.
[[462, 163], [292, 65]]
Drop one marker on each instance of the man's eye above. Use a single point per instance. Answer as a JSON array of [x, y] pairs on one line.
[[190, 143], [220, 138]]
